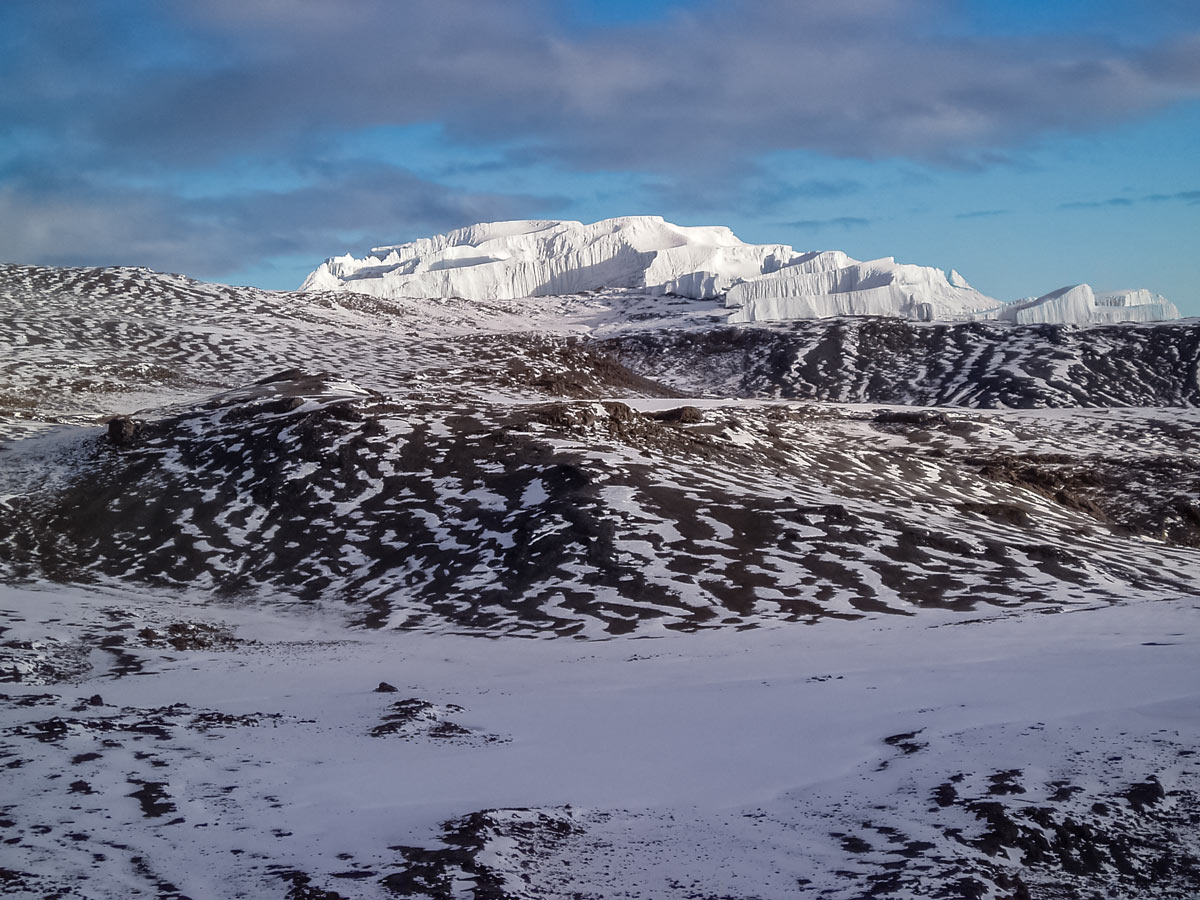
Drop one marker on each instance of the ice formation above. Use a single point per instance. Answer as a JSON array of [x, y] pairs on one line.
[[1080, 303], [530, 258], [759, 282], [819, 285]]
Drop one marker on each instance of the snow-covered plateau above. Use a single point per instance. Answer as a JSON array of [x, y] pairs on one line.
[[334, 595], [758, 282]]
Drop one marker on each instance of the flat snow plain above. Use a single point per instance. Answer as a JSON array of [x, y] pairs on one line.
[[744, 763]]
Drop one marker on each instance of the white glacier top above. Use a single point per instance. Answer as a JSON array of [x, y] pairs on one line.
[[759, 282], [1080, 304], [832, 284], [531, 258]]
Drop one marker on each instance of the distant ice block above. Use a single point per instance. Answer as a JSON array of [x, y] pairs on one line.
[[758, 282], [1080, 305], [833, 284], [530, 258]]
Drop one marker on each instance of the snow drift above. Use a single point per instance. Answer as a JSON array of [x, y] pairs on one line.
[[759, 282]]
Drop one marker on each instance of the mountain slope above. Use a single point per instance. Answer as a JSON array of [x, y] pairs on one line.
[[595, 595], [880, 360], [593, 517], [472, 500], [82, 344]]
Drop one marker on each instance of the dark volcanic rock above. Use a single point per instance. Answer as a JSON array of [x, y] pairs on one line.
[[123, 431], [562, 516], [1146, 794], [525, 834], [972, 364], [679, 415]]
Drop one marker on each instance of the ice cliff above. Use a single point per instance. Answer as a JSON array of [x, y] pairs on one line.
[[1081, 304], [510, 260], [819, 285], [759, 282]]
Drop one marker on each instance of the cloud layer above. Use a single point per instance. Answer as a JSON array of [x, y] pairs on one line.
[[79, 221], [1191, 198], [103, 91], [864, 78]]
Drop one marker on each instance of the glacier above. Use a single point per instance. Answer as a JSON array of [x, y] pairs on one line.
[[1079, 303], [512, 260], [828, 284], [534, 258]]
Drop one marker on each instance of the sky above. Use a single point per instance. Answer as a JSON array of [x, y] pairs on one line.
[[1027, 144]]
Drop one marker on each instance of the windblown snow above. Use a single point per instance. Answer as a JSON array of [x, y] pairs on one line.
[[759, 282]]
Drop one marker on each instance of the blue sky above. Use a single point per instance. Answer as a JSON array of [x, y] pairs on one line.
[[1027, 144]]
